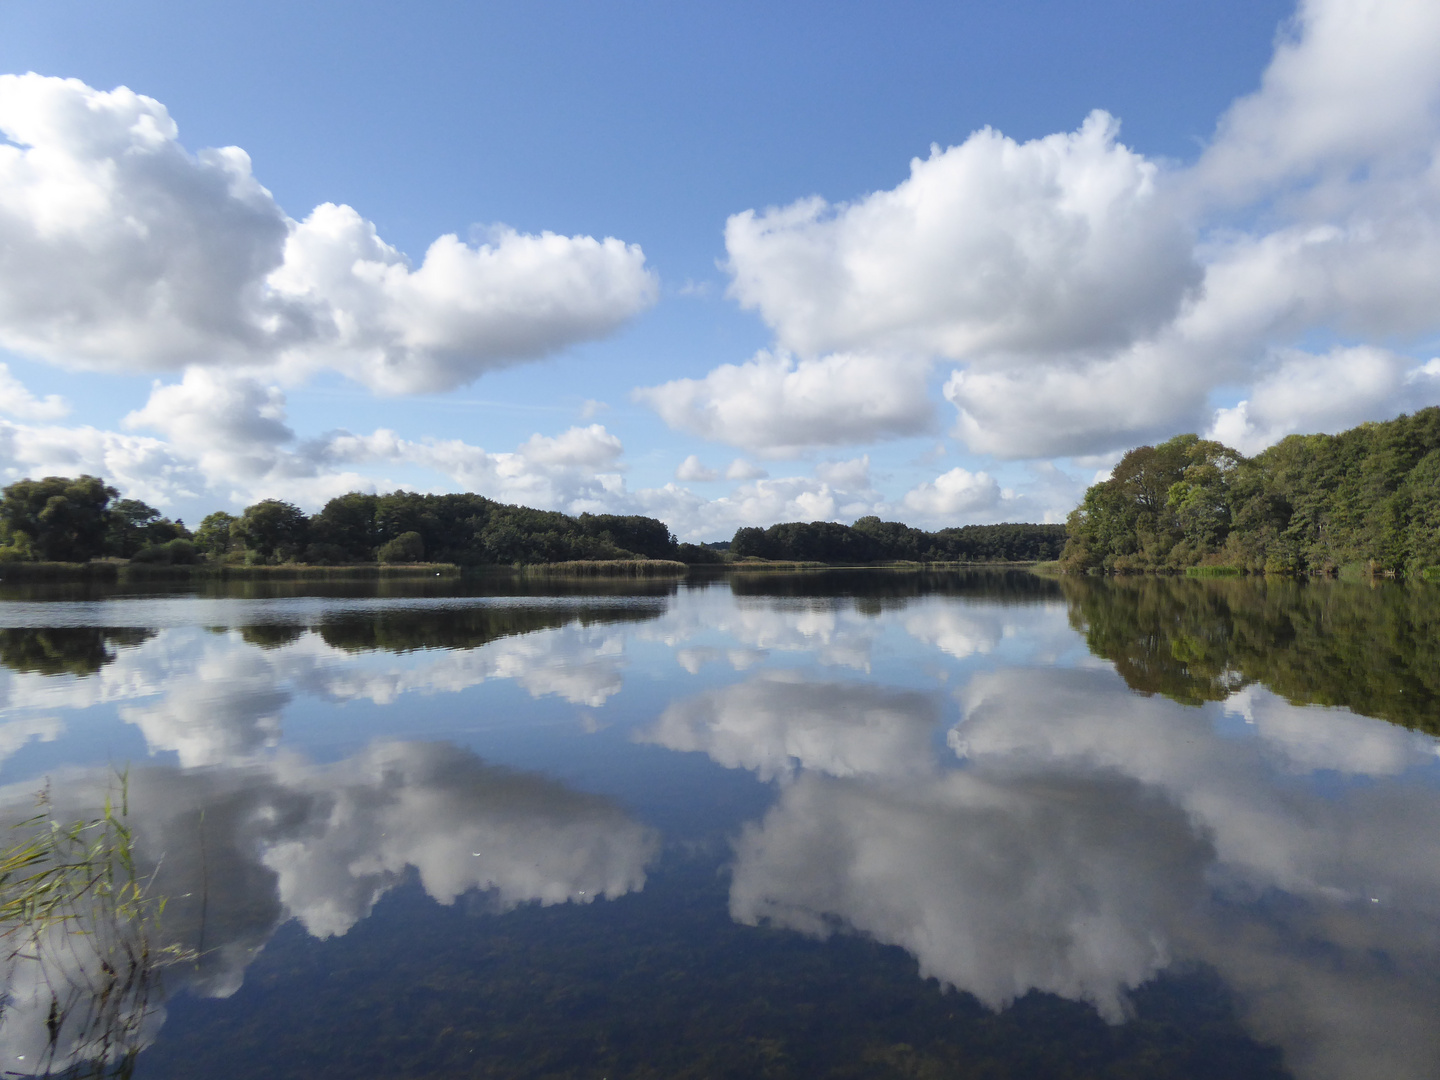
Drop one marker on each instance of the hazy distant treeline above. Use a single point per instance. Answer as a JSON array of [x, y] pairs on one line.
[[1367, 497]]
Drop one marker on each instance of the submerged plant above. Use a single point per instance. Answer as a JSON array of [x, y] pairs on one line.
[[79, 945]]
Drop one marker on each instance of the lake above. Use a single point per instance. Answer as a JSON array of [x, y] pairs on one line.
[[824, 824]]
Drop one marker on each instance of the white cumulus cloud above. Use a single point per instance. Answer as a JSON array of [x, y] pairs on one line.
[[988, 246], [1092, 299], [777, 406], [1330, 392], [955, 492], [740, 469], [121, 250], [692, 470], [18, 401], [1351, 82]]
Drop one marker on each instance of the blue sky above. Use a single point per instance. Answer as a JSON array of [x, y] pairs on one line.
[[1240, 244]]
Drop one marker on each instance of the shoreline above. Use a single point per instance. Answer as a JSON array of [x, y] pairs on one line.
[[118, 573]]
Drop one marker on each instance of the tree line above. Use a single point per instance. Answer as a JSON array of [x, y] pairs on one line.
[[73, 520], [62, 519], [873, 540], [1311, 504]]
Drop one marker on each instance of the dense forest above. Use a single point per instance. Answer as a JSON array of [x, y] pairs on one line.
[[60, 519], [1368, 498], [873, 540], [74, 520]]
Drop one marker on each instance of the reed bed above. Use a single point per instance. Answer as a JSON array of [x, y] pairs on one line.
[[81, 958], [24, 573], [605, 568], [286, 572]]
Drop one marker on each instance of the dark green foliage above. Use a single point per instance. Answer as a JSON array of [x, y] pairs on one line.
[[873, 590], [133, 526], [873, 540], [271, 636], [1008, 542], [408, 547], [323, 554], [271, 531], [1368, 497], [57, 519], [75, 650], [129, 525], [699, 555], [172, 553], [465, 628], [645, 536], [1376, 651], [472, 530], [346, 530]]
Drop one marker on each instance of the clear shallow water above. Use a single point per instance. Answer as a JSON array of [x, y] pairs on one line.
[[827, 824]]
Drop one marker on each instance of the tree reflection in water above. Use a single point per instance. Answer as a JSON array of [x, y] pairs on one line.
[[237, 851], [1372, 649]]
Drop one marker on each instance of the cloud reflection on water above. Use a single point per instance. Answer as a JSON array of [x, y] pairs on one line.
[[1091, 837], [1080, 839], [237, 851], [781, 721]]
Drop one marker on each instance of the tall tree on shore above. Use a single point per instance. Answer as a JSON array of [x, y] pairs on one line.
[[59, 519]]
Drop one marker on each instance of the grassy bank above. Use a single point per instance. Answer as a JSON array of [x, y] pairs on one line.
[[24, 573]]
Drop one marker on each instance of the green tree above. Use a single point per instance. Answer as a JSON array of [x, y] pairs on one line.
[[134, 525], [271, 531], [126, 532], [1368, 497], [1162, 506], [1423, 540], [346, 529], [642, 536], [59, 519], [1201, 498], [213, 539], [405, 548]]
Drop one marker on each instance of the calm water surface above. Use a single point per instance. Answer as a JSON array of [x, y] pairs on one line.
[[834, 824]]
